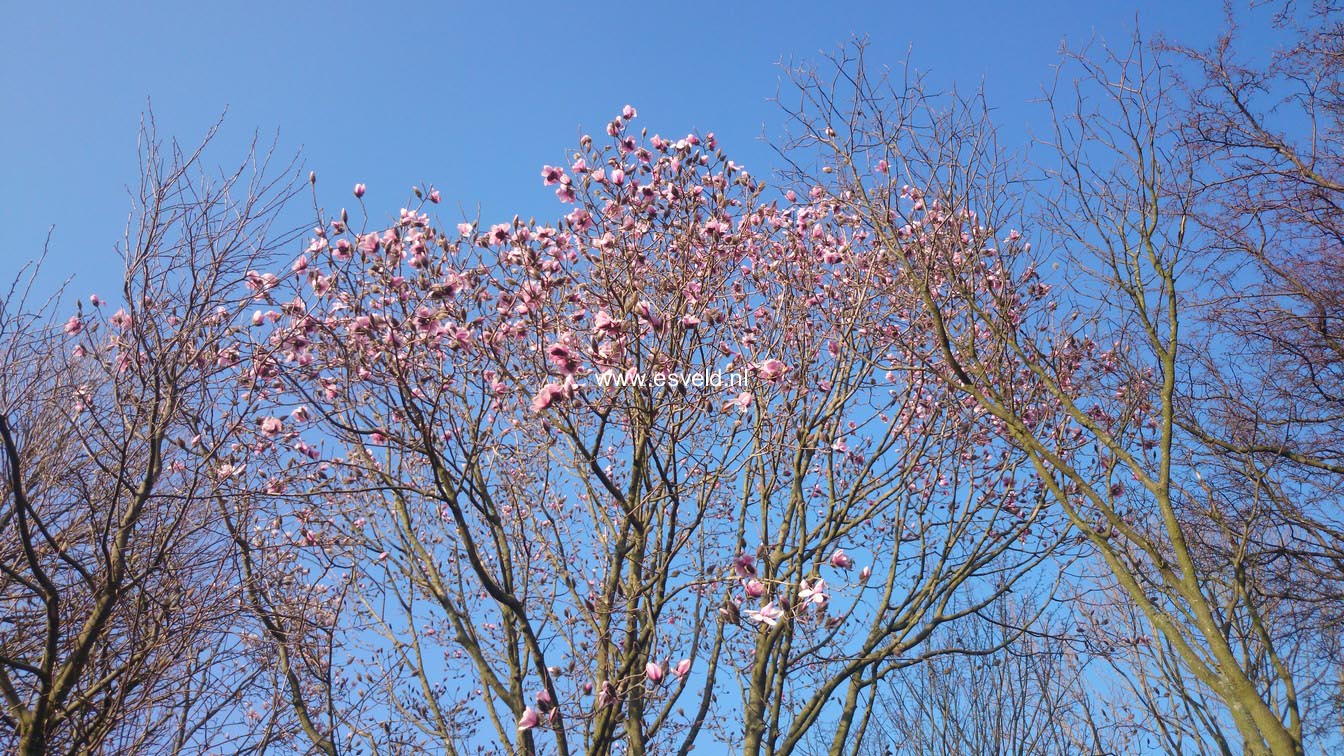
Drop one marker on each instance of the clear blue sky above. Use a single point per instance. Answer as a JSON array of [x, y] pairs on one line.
[[473, 98]]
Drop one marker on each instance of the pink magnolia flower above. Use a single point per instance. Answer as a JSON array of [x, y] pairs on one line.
[[528, 720], [549, 394], [628, 113], [841, 560], [73, 325], [460, 338], [464, 229], [95, 300], [769, 614], [682, 669], [563, 359], [300, 414], [359, 190], [120, 319], [742, 401], [412, 218], [771, 370], [745, 566], [654, 671], [882, 166], [617, 176], [604, 322], [647, 312], [812, 592], [579, 219], [551, 175], [755, 588], [435, 197], [865, 573], [271, 426]]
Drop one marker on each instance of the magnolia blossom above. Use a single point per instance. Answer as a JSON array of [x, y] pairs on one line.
[[841, 560], [742, 401], [771, 370], [755, 588], [563, 358], [73, 325], [682, 669], [528, 720], [271, 426], [745, 566], [605, 323], [769, 614], [654, 671], [649, 315], [359, 190], [812, 592], [550, 394]]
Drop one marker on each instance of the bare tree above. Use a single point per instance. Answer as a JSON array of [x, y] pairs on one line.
[[119, 631], [1120, 397]]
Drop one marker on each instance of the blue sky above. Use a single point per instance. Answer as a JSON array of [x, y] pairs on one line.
[[472, 98]]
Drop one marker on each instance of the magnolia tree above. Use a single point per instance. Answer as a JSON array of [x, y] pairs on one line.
[[710, 463], [670, 471]]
